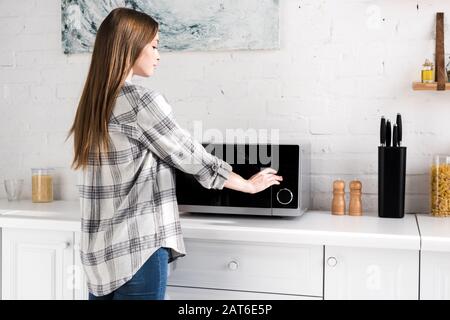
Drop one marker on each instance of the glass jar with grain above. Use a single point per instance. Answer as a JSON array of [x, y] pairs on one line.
[[440, 186], [42, 184]]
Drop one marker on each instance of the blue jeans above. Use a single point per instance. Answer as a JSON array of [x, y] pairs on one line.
[[149, 282]]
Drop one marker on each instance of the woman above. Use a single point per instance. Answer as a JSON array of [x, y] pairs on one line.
[[127, 143]]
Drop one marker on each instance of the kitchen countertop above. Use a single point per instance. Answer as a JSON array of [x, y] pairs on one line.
[[435, 232], [56, 215], [313, 228]]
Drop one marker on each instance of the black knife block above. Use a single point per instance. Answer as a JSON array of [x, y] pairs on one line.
[[391, 182]]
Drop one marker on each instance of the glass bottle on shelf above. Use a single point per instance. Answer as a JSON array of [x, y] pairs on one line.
[[428, 72]]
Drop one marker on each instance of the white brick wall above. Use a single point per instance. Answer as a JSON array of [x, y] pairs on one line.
[[342, 64]]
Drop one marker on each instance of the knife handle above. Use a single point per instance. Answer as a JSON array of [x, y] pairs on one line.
[[388, 133], [399, 128], [383, 131], [395, 136]]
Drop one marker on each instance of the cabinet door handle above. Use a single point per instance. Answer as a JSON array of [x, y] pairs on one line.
[[233, 265], [332, 261], [65, 245]]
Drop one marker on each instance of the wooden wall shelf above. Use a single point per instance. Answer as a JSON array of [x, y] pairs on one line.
[[428, 86], [441, 73]]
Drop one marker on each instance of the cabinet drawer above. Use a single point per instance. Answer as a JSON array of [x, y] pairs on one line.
[[187, 293], [250, 267]]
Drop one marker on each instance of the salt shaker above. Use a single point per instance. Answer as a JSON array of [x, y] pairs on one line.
[[338, 203]]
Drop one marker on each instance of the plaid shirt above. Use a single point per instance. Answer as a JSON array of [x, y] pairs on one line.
[[128, 201]]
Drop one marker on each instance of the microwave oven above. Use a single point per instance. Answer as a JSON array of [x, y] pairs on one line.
[[290, 198]]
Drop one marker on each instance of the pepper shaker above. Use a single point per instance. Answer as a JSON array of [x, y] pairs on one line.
[[355, 207]]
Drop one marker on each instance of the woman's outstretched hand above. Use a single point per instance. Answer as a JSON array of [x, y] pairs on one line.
[[263, 180], [256, 183]]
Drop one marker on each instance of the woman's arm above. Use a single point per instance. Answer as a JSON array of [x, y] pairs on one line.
[[174, 145], [160, 132], [258, 182]]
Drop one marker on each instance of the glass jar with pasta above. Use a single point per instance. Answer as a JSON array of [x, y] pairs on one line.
[[42, 184], [440, 186]]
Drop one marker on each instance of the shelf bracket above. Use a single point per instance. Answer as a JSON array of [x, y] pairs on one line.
[[440, 54]]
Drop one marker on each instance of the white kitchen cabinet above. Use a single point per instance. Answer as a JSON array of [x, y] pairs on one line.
[[37, 264], [435, 257], [241, 257], [240, 266], [435, 275], [187, 293], [370, 273]]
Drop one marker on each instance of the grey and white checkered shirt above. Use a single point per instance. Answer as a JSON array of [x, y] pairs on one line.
[[128, 202]]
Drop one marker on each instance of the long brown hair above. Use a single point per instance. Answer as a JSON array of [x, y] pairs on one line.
[[119, 41]]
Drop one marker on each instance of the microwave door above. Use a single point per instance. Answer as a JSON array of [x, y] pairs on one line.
[[193, 197], [191, 192]]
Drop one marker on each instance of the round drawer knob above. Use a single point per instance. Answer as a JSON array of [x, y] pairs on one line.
[[65, 245], [284, 196], [332, 261], [233, 265]]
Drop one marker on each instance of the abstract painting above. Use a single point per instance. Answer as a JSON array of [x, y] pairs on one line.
[[185, 25]]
